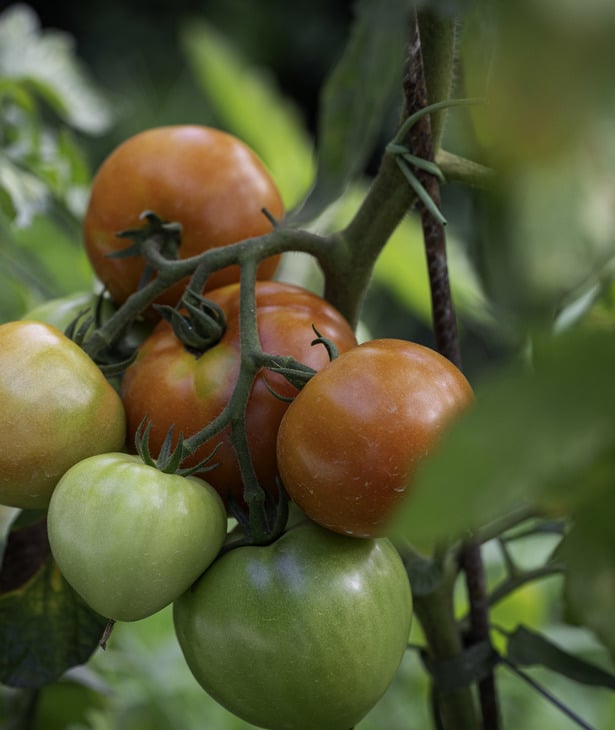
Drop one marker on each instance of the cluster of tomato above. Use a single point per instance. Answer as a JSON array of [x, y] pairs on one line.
[[308, 631]]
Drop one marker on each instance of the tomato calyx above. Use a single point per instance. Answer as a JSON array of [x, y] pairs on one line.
[[167, 236], [112, 360], [199, 326], [170, 458]]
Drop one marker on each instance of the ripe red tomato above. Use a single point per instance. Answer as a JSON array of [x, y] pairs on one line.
[[173, 386], [57, 409], [351, 440], [304, 634], [205, 179]]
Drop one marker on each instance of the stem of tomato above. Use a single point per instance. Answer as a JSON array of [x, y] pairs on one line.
[[253, 493], [447, 342], [170, 271], [435, 613]]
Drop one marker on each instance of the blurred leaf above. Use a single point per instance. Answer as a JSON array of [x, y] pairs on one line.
[[26, 194], [247, 99], [547, 236], [39, 165], [589, 553], [602, 314], [37, 263], [357, 98], [402, 266], [542, 99], [71, 700], [529, 648], [541, 435], [45, 61], [45, 627], [54, 253], [41, 162]]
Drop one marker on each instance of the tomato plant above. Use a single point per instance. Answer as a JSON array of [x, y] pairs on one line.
[[203, 178], [173, 386], [351, 440], [130, 538], [303, 634], [58, 409], [296, 625]]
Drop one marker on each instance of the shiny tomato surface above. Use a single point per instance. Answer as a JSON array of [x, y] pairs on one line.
[[57, 408], [350, 442], [173, 386], [205, 179], [304, 634]]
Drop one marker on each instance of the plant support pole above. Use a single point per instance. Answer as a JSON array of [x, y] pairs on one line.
[[446, 335]]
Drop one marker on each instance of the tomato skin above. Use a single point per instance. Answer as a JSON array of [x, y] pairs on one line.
[[205, 179], [350, 442], [58, 408], [129, 538], [304, 634], [173, 386]]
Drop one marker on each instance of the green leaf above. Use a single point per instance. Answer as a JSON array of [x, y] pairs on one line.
[[589, 553], [26, 195], [45, 627], [358, 98], [529, 648], [250, 104], [539, 436], [53, 254], [45, 61], [70, 702], [402, 266]]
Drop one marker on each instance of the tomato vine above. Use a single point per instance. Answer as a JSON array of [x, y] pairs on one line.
[[460, 647], [347, 258]]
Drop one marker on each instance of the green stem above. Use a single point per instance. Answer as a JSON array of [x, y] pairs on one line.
[[348, 269], [170, 271], [459, 169], [520, 578], [435, 613], [498, 527]]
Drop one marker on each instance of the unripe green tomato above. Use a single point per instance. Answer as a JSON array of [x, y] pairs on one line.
[[57, 409], [304, 634], [130, 538]]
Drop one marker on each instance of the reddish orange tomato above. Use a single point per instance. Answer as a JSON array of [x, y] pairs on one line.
[[205, 179], [350, 442], [173, 386]]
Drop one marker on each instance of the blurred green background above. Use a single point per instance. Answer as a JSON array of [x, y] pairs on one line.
[[78, 79]]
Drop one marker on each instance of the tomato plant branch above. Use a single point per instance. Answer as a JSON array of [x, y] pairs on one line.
[[260, 528], [447, 337], [497, 528], [435, 612], [456, 168], [348, 271], [522, 577], [168, 271]]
